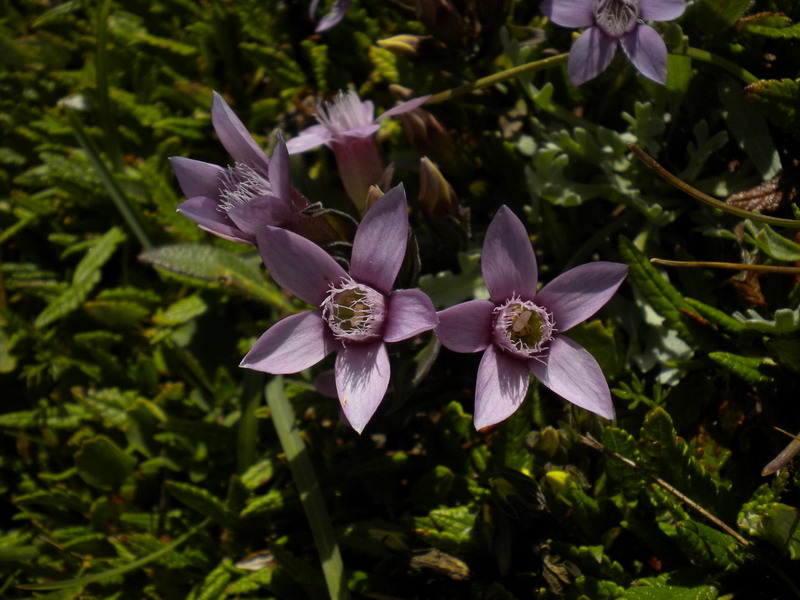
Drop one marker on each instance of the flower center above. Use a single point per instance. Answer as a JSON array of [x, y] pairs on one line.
[[344, 113], [616, 17], [522, 327], [240, 184], [354, 311]]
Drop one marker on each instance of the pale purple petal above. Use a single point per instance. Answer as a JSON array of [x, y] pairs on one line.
[[313, 8], [312, 137], [572, 373], [280, 171], [197, 178], [569, 13], [292, 344], [363, 131], [334, 15], [404, 107], [502, 385], [508, 262], [367, 111], [466, 327], [410, 312], [647, 52], [235, 137], [661, 10], [590, 55], [362, 377], [380, 242], [264, 210], [298, 264], [206, 213], [576, 295]]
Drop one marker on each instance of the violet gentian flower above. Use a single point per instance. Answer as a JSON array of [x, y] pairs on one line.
[[520, 330], [232, 202], [335, 14], [357, 313], [347, 125], [609, 22]]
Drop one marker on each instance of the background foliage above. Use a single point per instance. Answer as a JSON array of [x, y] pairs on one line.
[[139, 461]]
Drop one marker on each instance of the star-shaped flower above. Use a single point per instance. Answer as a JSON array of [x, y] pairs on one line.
[[357, 314], [609, 22], [520, 330]]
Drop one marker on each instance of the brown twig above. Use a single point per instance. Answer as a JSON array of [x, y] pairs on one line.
[[727, 265]]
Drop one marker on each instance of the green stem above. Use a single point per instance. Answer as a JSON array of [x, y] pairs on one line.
[[247, 430], [708, 200], [308, 487], [108, 181], [531, 67], [726, 265], [723, 63]]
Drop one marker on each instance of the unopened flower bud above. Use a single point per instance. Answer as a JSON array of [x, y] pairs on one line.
[[373, 195], [405, 44], [436, 195]]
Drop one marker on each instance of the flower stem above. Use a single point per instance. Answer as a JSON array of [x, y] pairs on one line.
[[708, 200], [723, 63], [308, 487], [727, 265], [531, 67]]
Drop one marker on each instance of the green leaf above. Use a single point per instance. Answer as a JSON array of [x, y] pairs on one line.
[[101, 463], [706, 547], [777, 523], [770, 243], [774, 25], [669, 592], [716, 316], [754, 370], [86, 276], [180, 312], [786, 321], [718, 15], [448, 529], [202, 501], [217, 268], [446, 288], [779, 100]]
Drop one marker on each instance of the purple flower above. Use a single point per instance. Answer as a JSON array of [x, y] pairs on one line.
[[608, 22], [358, 312], [333, 17], [348, 126], [520, 329], [232, 202]]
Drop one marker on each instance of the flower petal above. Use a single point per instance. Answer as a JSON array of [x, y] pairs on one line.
[[404, 107], [206, 213], [647, 52], [590, 55], [292, 345], [197, 178], [280, 172], [502, 385], [314, 136], [410, 312], [380, 242], [466, 327], [333, 17], [569, 13], [572, 373], [661, 10], [576, 295], [508, 262], [264, 210], [235, 137], [362, 377], [298, 264]]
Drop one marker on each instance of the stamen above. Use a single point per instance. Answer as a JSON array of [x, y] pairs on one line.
[[344, 113], [240, 184], [617, 17], [354, 312], [523, 328]]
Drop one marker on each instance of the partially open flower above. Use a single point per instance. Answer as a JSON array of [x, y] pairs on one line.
[[358, 311], [519, 329], [609, 22], [347, 125], [232, 202]]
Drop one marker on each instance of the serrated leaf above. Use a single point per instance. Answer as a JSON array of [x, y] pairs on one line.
[[716, 316], [718, 15], [448, 529], [202, 501], [669, 592], [217, 267], [775, 522], [706, 547], [101, 463], [779, 100], [774, 25], [272, 501], [753, 370], [180, 312]]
